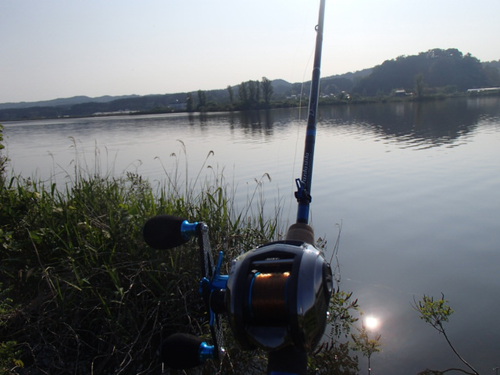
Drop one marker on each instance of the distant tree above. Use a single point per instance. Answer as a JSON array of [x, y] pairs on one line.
[[249, 93], [492, 72], [267, 91], [257, 93], [419, 85], [252, 94], [3, 159], [243, 93], [189, 103], [202, 100], [231, 95]]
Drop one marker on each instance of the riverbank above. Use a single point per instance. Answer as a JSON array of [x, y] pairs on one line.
[[85, 110]]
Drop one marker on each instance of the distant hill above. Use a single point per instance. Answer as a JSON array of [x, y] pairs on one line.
[[75, 107], [329, 85], [65, 101], [433, 71], [436, 70]]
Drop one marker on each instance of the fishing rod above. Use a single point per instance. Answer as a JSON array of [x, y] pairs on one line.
[[276, 296], [303, 193]]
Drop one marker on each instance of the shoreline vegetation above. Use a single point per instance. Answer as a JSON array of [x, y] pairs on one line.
[[324, 101], [432, 75], [81, 292]]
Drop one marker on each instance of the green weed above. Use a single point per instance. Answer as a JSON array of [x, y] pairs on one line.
[[92, 297]]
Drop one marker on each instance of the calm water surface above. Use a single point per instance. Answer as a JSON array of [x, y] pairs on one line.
[[415, 188]]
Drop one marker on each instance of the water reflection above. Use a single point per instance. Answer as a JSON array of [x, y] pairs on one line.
[[410, 124], [417, 124]]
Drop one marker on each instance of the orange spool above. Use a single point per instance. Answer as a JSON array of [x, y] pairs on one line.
[[268, 302]]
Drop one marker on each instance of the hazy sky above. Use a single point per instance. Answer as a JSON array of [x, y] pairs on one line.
[[62, 48]]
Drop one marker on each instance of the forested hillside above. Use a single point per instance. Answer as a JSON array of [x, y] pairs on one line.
[[437, 71], [449, 70]]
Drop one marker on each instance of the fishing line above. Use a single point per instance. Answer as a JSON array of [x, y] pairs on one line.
[[267, 298]]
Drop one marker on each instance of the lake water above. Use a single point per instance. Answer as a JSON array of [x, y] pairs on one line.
[[415, 187]]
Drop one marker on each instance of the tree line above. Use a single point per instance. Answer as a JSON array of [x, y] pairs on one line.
[[437, 71], [250, 95]]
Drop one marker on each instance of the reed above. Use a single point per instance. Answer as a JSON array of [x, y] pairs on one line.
[[82, 293]]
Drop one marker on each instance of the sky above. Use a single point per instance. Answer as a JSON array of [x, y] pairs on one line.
[[62, 48]]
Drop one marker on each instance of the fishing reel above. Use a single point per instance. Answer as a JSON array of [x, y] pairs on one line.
[[275, 297]]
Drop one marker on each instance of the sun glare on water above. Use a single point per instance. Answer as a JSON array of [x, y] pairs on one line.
[[372, 322]]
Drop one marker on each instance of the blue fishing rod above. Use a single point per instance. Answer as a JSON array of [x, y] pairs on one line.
[[303, 193], [276, 296]]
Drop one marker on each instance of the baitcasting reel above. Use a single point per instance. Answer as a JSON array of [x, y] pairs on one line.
[[275, 297]]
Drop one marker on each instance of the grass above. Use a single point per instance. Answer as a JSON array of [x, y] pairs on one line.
[[81, 292]]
